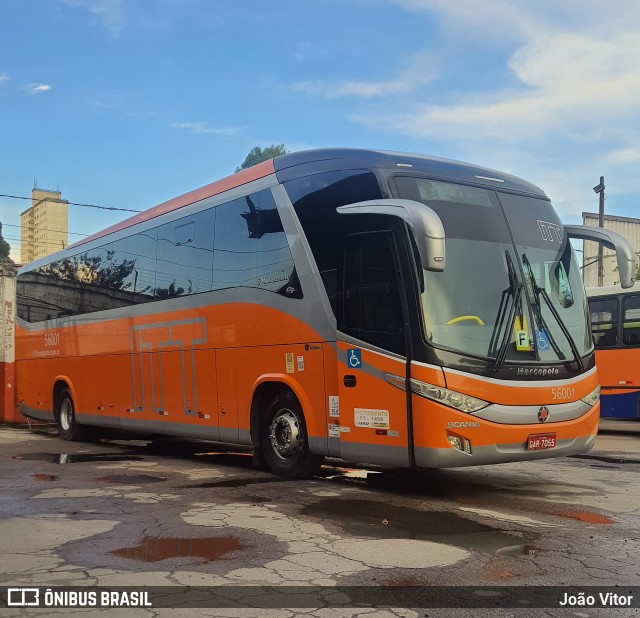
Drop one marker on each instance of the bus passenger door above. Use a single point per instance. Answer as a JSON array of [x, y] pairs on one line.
[[372, 424]]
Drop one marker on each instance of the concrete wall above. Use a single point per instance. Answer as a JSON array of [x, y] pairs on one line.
[[8, 411]]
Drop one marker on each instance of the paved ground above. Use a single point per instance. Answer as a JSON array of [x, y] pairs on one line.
[[126, 513]]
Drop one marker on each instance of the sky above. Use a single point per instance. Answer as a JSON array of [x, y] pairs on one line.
[[128, 103]]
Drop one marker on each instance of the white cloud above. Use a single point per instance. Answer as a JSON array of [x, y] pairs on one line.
[[624, 156], [3, 78], [110, 13], [200, 128], [419, 69], [569, 84], [38, 88], [565, 111]]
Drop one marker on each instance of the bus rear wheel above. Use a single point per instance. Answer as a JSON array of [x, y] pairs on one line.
[[68, 428], [284, 440]]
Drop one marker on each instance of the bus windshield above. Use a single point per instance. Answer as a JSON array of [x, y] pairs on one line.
[[511, 286]]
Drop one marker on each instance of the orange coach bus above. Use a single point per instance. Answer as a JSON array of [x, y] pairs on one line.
[[304, 307], [615, 323]]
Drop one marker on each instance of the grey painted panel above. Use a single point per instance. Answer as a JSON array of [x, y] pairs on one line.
[[519, 383], [230, 434], [94, 420], [144, 426], [320, 315], [528, 415], [40, 415], [452, 457], [318, 445], [298, 308], [356, 452], [333, 447]]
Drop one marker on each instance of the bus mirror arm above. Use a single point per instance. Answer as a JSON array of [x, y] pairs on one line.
[[425, 225], [625, 254]]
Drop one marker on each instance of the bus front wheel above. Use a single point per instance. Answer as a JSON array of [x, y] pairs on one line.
[[68, 429], [284, 440]]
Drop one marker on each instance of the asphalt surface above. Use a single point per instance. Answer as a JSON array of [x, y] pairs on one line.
[[131, 513]]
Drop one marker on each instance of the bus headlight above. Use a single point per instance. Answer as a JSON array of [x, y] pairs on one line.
[[453, 399], [592, 397]]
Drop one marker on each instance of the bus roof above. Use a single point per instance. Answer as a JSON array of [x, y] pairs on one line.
[[306, 162], [220, 186]]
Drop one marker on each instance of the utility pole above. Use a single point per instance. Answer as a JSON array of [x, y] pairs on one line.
[[600, 190]]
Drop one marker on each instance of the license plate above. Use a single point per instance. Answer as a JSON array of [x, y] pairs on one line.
[[539, 441]]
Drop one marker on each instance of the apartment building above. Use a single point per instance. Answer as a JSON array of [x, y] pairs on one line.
[[44, 226]]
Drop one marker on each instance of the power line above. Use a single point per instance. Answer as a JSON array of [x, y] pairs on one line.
[[42, 229], [53, 199]]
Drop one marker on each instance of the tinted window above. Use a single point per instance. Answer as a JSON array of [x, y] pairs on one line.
[[251, 248], [631, 323], [604, 321], [185, 256], [371, 298], [114, 275], [315, 199], [175, 259], [134, 264]]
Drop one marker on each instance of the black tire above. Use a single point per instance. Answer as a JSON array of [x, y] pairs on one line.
[[65, 414], [284, 441]]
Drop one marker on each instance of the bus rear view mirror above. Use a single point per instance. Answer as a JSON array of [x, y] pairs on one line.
[[425, 225], [625, 254]]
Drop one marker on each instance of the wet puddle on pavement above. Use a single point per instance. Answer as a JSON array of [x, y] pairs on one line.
[[45, 477], [153, 549], [241, 482], [66, 458], [132, 479], [384, 521], [586, 517], [609, 460]]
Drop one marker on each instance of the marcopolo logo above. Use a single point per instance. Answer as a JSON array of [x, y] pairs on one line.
[[543, 414], [538, 371]]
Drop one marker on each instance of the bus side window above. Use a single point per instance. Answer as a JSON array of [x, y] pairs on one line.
[[604, 321], [631, 323]]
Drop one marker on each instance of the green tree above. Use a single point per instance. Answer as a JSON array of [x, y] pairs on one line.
[[258, 155], [5, 248]]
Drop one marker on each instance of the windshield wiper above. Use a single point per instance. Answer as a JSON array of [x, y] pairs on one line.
[[538, 291], [515, 291]]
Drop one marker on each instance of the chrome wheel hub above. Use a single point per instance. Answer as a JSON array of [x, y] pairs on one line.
[[284, 433], [66, 414]]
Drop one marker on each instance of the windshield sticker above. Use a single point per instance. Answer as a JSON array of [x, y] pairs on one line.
[[549, 231], [521, 333], [543, 340]]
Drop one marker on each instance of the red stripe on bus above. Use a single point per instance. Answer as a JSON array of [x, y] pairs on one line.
[[230, 182]]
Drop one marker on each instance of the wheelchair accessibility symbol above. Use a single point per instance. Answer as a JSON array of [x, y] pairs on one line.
[[543, 340], [354, 358]]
